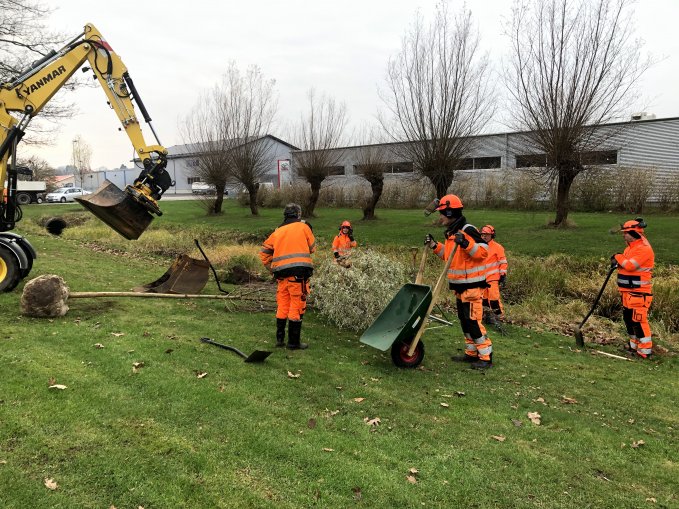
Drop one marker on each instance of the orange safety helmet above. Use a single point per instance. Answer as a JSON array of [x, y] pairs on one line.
[[634, 225], [449, 201], [489, 230], [345, 223]]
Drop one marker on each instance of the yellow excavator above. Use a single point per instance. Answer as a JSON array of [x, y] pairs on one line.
[[130, 211]]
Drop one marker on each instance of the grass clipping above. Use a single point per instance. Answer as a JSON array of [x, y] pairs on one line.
[[351, 298]]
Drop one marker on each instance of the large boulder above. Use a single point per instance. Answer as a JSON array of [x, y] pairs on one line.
[[45, 297]]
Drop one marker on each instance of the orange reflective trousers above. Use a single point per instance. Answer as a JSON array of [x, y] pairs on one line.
[[635, 313], [470, 313], [291, 298]]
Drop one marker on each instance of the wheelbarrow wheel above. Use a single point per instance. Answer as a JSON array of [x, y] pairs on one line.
[[400, 357]]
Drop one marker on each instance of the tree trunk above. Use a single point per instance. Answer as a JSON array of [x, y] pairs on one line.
[[219, 200], [441, 184], [253, 200], [313, 199], [563, 191], [377, 187]]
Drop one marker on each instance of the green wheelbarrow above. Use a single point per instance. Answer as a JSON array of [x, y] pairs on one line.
[[402, 323], [398, 324]]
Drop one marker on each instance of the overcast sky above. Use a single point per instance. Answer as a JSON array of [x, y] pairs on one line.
[[176, 50]]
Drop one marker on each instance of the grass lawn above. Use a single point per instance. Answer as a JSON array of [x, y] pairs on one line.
[[334, 426]]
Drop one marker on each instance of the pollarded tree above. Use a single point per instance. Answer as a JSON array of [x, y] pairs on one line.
[[371, 163], [319, 134], [227, 133], [438, 94], [573, 67]]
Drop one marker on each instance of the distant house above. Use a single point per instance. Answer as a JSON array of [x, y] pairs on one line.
[[62, 181]]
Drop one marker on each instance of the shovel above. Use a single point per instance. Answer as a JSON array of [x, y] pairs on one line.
[[256, 356], [579, 339]]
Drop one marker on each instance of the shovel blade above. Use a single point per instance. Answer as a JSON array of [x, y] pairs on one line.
[[257, 356], [186, 275], [118, 209]]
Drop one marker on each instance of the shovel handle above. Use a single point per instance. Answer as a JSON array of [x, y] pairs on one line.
[[437, 290], [420, 272], [225, 347], [596, 301]]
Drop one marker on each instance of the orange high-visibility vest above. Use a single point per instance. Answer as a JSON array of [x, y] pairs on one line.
[[342, 245], [635, 267], [467, 269], [496, 263], [287, 251]]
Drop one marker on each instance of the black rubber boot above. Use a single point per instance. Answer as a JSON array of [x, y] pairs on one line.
[[464, 358], [479, 364], [280, 332], [294, 333]]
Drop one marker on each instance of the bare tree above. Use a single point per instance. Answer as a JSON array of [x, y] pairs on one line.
[[371, 163], [573, 67], [438, 95], [24, 37], [82, 157], [319, 133], [41, 169], [227, 132]]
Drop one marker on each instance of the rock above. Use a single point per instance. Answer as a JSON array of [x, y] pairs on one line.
[[45, 297]]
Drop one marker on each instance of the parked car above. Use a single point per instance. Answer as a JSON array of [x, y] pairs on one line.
[[65, 194]]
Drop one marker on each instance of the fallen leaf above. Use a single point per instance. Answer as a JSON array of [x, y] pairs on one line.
[[293, 375], [413, 471], [445, 405], [311, 424], [357, 493], [517, 423], [201, 374], [374, 379], [568, 401], [651, 499], [358, 400], [411, 479], [98, 345], [534, 417], [372, 422], [51, 484], [339, 387], [51, 381], [499, 438], [3, 462], [117, 334], [334, 412], [540, 400], [327, 449], [636, 445], [136, 366], [169, 350], [57, 386], [459, 394]]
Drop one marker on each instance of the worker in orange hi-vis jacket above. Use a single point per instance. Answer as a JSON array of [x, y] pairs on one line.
[[496, 272], [466, 277], [635, 272], [287, 254], [343, 243]]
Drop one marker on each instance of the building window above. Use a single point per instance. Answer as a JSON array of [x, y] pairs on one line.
[[531, 160], [334, 170], [487, 163], [598, 157], [191, 180], [192, 163]]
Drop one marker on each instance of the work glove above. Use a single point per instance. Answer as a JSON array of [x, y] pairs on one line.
[[614, 262], [351, 234], [501, 282], [429, 241], [461, 240]]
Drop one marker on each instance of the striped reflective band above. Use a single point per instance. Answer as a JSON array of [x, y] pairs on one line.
[[293, 255]]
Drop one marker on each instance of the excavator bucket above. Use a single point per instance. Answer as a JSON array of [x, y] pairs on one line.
[[185, 275], [118, 209]]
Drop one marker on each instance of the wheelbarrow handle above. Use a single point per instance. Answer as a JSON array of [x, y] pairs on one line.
[[225, 347]]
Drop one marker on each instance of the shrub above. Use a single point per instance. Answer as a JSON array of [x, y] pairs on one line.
[[632, 197], [526, 190], [591, 191], [352, 298]]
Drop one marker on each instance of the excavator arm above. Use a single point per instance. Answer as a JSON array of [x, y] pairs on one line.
[[129, 211]]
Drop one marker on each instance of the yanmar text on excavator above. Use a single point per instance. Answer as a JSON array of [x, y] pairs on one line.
[[129, 211]]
